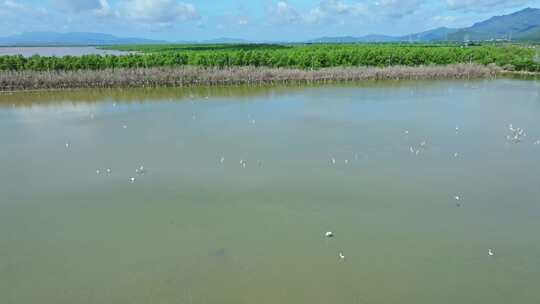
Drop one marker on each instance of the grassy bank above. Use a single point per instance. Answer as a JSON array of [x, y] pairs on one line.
[[191, 76]]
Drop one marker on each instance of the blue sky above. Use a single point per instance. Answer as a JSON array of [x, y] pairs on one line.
[[284, 20]]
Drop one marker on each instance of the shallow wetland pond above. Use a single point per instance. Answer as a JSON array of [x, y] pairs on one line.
[[417, 181]]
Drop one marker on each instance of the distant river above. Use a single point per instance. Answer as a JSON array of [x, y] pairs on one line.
[[59, 51]]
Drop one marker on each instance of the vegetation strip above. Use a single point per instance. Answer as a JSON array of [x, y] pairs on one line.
[[191, 76], [316, 56]]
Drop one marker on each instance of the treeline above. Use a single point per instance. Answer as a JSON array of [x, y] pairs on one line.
[[154, 48], [302, 57]]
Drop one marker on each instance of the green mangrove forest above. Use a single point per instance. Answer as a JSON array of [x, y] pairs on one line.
[[307, 57]]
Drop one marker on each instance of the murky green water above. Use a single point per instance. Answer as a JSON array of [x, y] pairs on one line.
[[200, 226]]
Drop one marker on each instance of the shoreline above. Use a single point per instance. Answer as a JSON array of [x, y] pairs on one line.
[[188, 76]]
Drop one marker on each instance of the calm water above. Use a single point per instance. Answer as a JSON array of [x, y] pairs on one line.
[[59, 51], [194, 229]]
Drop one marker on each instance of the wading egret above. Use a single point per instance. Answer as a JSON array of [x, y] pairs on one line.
[[140, 170]]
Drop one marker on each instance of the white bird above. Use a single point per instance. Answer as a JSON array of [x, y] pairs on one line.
[[456, 154], [341, 256], [411, 149], [132, 180], [222, 160], [109, 171], [457, 129], [537, 142], [329, 234], [346, 161], [140, 170], [68, 145], [407, 132], [98, 171], [491, 252], [457, 198], [252, 121], [333, 160], [124, 126]]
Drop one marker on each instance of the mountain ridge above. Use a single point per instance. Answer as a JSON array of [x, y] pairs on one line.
[[523, 25], [71, 38]]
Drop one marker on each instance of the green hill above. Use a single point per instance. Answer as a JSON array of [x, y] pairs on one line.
[[519, 26]]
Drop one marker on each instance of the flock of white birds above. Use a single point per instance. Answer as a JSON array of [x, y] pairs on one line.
[[516, 136]]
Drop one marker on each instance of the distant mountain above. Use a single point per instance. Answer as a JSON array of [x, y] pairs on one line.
[[52, 38], [224, 40], [438, 34], [350, 39], [522, 25]]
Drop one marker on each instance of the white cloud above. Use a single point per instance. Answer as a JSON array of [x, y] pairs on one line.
[[15, 15], [336, 11], [483, 5], [243, 20], [398, 8], [443, 20], [77, 5], [10, 4], [283, 13], [339, 8], [14, 7], [341, 12], [98, 8], [164, 12], [232, 19]]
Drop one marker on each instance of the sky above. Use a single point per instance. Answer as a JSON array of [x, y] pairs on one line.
[[258, 20]]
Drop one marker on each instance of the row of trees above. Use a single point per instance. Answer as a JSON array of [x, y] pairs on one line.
[[303, 57]]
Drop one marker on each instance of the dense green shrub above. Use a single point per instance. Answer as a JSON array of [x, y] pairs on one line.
[[298, 56]]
